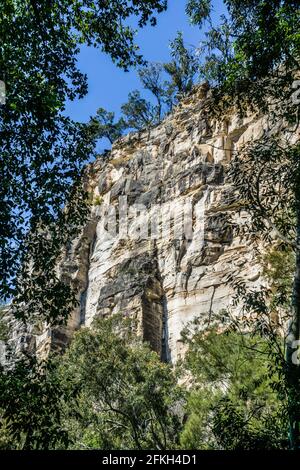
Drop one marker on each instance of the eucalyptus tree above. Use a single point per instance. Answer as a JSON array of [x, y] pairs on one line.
[[167, 82], [257, 69], [138, 112], [103, 124], [182, 68], [152, 79], [128, 398], [232, 404]]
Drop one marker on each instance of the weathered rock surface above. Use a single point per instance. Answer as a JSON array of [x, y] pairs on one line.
[[177, 171]]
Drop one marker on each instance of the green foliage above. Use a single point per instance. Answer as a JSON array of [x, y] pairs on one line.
[[216, 51], [267, 36], [167, 82], [98, 201], [266, 313], [182, 68], [151, 77], [109, 391], [232, 404], [138, 112], [198, 11], [31, 406], [265, 173], [103, 125], [128, 397], [246, 50], [278, 265]]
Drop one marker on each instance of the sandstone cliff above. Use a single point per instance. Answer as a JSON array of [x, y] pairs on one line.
[[169, 259]]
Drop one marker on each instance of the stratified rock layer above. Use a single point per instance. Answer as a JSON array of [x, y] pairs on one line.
[[163, 279]]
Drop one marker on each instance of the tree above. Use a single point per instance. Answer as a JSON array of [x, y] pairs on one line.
[[42, 151], [182, 68], [104, 125], [31, 406], [198, 11], [139, 113], [129, 398], [264, 36], [108, 391], [216, 51], [152, 80], [261, 75], [232, 404]]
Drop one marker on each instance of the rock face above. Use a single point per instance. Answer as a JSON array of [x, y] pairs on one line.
[[159, 245]]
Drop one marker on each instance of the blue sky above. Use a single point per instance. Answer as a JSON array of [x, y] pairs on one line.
[[108, 85]]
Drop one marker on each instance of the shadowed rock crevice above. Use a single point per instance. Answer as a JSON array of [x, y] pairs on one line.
[[74, 271], [152, 312], [165, 349]]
